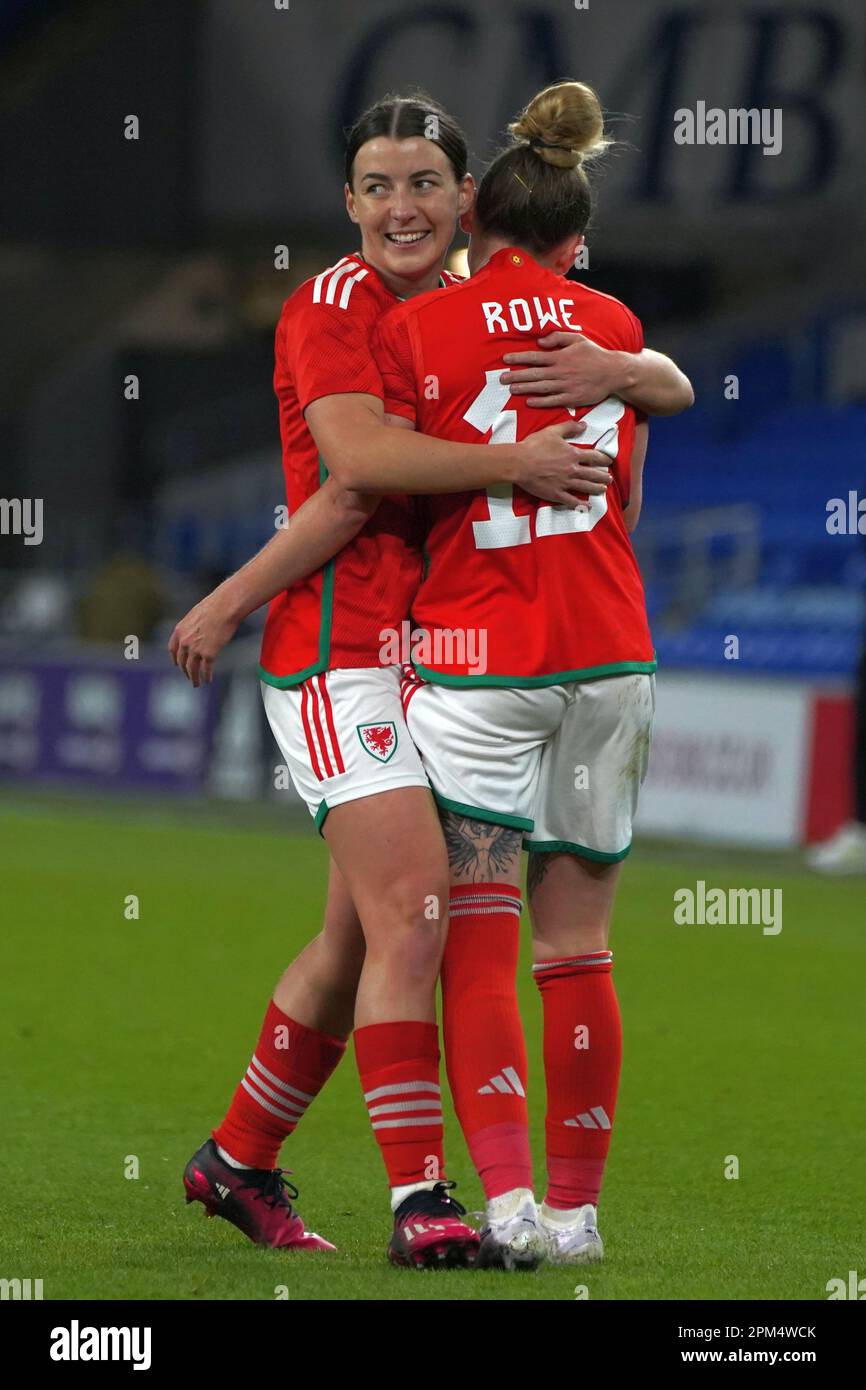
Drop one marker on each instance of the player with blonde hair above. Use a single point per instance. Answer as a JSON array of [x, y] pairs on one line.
[[548, 745]]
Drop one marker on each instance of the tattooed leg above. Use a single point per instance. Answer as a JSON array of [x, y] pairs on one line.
[[485, 1051], [570, 903], [479, 852], [536, 868]]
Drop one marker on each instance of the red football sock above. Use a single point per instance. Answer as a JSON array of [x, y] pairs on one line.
[[290, 1066], [399, 1068], [485, 1051], [582, 1058]]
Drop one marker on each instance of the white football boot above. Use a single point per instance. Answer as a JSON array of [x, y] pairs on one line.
[[511, 1237], [843, 853], [572, 1236]]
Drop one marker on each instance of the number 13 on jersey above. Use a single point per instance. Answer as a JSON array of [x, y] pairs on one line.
[[503, 527]]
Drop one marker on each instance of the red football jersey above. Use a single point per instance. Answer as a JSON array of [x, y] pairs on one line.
[[335, 617], [517, 592]]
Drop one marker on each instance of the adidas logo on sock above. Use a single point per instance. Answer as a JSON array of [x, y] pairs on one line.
[[507, 1083], [222, 1190], [596, 1119]]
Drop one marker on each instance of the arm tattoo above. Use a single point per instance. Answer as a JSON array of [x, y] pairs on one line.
[[479, 852], [536, 869]]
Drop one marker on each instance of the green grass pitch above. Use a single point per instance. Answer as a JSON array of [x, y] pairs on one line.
[[127, 1038]]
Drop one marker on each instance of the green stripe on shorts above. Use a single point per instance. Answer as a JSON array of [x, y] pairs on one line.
[[566, 847], [477, 813]]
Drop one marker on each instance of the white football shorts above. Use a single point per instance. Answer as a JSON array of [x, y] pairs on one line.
[[562, 763], [343, 736]]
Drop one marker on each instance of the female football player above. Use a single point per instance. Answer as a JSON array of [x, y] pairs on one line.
[[336, 710], [549, 743], [366, 791]]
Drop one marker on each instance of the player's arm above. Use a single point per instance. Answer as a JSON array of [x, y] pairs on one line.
[[573, 371], [365, 455], [631, 513], [339, 361], [326, 522], [653, 383]]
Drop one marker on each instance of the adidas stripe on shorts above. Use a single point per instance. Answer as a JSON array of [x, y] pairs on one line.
[[342, 735], [562, 763]]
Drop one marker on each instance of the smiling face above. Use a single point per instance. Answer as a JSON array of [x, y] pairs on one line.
[[406, 200]]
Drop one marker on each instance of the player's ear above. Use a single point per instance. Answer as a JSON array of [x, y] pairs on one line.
[[567, 254], [467, 219], [350, 203], [465, 197]]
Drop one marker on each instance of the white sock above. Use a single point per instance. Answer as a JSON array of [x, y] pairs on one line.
[[507, 1204], [232, 1162], [399, 1194], [553, 1216]]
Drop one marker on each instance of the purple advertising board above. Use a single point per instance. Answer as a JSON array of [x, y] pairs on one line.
[[103, 722]]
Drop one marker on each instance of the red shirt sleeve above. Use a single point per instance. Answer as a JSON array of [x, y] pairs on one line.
[[637, 330], [392, 349], [633, 331], [326, 350]]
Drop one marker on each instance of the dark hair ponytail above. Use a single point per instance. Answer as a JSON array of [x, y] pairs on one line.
[[402, 117]]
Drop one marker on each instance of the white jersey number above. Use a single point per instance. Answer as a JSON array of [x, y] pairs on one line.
[[503, 527]]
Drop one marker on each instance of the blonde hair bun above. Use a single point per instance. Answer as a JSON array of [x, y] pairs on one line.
[[564, 124]]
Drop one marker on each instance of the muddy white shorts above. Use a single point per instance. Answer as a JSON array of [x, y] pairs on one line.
[[343, 736], [562, 763]]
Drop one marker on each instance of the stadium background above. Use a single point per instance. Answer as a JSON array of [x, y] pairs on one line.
[[140, 287]]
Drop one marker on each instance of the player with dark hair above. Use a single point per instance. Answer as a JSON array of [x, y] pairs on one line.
[[334, 705], [329, 700]]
